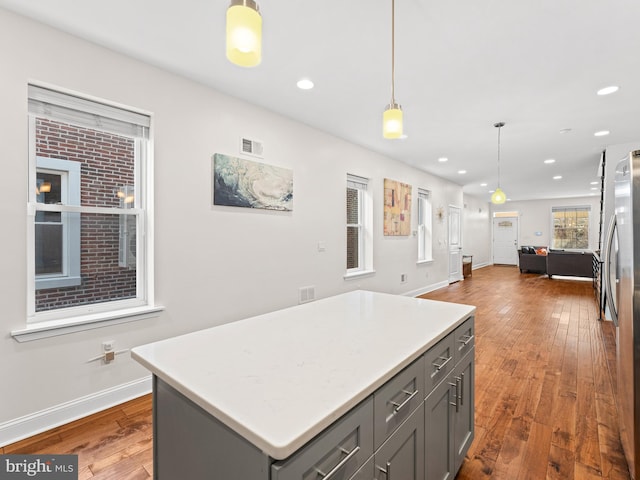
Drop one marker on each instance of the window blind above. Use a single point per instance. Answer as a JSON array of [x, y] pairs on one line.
[[63, 107]]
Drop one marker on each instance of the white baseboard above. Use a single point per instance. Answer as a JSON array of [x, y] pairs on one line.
[[427, 289], [475, 267], [38, 422]]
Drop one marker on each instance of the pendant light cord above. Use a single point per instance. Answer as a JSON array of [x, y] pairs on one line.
[[499, 126], [393, 49]]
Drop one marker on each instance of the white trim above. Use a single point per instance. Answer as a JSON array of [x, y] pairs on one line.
[[32, 424], [53, 328], [427, 289], [358, 273]]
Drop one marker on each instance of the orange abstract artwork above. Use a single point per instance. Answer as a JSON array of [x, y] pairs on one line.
[[397, 208]]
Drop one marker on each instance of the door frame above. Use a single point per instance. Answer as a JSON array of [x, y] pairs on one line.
[[506, 214]]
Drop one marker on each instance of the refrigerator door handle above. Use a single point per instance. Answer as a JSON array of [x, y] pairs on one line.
[[607, 270]]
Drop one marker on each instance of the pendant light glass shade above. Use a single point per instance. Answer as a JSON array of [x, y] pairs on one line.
[[244, 33], [498, 197], [392, 122]]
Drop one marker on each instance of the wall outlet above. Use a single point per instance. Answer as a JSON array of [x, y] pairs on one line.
[[403, 278]]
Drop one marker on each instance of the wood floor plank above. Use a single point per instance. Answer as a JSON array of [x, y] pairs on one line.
[[545, 389]]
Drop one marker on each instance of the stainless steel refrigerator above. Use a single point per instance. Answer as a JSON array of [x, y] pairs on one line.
[[622, 280]]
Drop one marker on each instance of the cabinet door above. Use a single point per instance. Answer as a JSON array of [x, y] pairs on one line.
[[401, 456], [438, 433], [463, 424]]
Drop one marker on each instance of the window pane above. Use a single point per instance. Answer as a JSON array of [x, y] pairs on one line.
[[571, 228], [353, 234], [353, 205], [107, 160], [49, 188], [107, 264], [49, 246]]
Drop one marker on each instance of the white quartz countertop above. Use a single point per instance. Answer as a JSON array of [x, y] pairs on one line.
[[281, 378]]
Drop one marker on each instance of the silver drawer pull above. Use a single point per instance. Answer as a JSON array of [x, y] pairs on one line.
[[466, 339], [387, 472], [399, 406], [455, 396], [441, 366], [342, 463]]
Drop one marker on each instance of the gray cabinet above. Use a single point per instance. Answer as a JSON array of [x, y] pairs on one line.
[[400, 457], [336, 453], [416, 426], [449, 408]]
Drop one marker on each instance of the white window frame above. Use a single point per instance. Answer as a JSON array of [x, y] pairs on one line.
[[364, 226], [566, 208], [70, 173], [425, 226], [69, 107]]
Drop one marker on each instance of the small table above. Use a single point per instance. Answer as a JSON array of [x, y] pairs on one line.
[[467, 263]]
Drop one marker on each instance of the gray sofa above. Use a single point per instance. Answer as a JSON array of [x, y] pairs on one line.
[[530, 262], [574, 264]]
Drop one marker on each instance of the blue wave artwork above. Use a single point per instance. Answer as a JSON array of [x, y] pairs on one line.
[[244, 183]]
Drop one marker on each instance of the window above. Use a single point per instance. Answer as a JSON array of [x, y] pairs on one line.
[[359, 255], [88, 205], [425, 245], [571, 227], [57, 234]]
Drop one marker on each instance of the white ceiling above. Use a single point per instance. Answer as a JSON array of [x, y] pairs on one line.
[[461, 66]]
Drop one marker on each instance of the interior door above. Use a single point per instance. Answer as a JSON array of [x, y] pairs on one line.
[[455, 244], [505, 240]]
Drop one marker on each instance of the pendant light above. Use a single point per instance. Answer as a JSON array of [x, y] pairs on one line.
[[498, 197], [244, 33], [392, 117]]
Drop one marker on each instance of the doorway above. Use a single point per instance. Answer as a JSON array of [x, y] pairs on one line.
[[505, 240]]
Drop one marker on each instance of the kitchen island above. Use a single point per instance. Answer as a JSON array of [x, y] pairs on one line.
[[319, 390]]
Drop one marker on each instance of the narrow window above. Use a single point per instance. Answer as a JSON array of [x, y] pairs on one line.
[[425, 245], [356, 223]]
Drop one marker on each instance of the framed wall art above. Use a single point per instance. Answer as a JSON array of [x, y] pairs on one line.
[[397, 208], [238, 182]]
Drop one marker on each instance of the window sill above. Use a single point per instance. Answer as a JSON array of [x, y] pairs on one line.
[[53, 328], [359, 273], [422, 262]]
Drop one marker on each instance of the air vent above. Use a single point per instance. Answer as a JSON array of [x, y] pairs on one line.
[[251, 147], [306, 294]]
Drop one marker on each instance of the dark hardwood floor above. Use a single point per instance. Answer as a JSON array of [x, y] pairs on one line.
[[544, 396]]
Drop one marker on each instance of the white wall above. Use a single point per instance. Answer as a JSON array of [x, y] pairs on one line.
[[213, 265], [476, 231], [614, 154], [535, 216]]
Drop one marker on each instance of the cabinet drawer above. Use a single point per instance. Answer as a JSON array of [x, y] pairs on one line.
[[464, 338], [438, 362], [396, 399], [340, 450]]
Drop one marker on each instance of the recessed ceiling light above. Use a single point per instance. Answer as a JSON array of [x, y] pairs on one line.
[[550, 160], [491, 191], [594, 183], [565, 130], [594, 188], [462, 172], [557, 177], [602, 133], [404, 136], [443, 159], [608, 90], [305, 84], [483, 184]]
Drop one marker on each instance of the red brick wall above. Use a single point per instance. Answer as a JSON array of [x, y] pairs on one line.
[[107, 162]]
